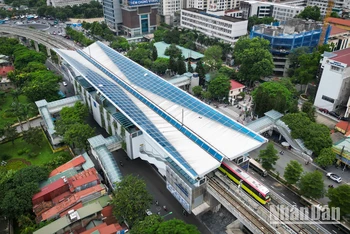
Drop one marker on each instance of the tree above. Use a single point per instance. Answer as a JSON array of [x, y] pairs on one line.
[[326, 158], [10, 133], [294, 59], [272, 95], [311, 185], [197, 91], [33, 136], [120, 44], [293, 172], [254, 58], [206, 95], [255, 20], [131, 199], [268, 157], [229, 72], [147, 226], [212, 57], [77, 135], [173, 64], [23, 57], [189, 66], [310, 12], [181, 65], [201, 72], [173, 51], [220, 87], [139, 55], [335, 14], [176, 226], [309, 109], [340, 197], [160, 65], [315, 136], [17, 190], [154, 53]]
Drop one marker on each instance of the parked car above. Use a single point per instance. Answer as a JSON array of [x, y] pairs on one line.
[[345, 118], [64, 83], [334, 114], [334, 177], [323, 110]]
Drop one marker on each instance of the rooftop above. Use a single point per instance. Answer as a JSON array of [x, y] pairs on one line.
[[187, 53], [68, 173], [203, 12], [63, 222], [339, 21], [156, 107], [6, 69], [236, 85], [342, 56], [77, 161], [49, 188], [336, 30], [83, 178]]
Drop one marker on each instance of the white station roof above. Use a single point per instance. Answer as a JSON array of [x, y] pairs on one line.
[[193, 134]]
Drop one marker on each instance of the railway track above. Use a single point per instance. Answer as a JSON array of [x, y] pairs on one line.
[[257, 222]]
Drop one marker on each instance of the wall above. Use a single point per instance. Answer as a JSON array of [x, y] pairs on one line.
[[332, 79]]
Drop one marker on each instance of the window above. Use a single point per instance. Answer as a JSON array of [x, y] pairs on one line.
[[328, 99], [334, 68]]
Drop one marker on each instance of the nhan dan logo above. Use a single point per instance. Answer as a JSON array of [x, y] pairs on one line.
[[304, 215]]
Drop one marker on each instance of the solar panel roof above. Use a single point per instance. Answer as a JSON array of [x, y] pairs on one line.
[[198, 144]]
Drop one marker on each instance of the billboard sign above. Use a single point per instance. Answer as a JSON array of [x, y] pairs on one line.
[[142, 2]]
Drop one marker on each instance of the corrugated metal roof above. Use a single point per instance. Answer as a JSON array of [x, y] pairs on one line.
[[187, 53]]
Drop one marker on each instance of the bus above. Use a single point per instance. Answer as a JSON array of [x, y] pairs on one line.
[[251, 185], [257, 167]]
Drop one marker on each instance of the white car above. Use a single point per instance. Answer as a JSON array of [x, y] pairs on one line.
[[334, 177], [64, 83]]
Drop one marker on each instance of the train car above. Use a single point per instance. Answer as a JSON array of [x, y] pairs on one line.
[[257, 167], [251, 185]]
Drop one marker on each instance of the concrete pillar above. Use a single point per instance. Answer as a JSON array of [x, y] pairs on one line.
[[36, 46], [48, 51]]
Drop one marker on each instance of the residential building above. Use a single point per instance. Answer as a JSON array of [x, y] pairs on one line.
[[280, 12], [143, 113], [291, 34], [139, 17], [169, 9], [213, 5], [235, 90], [63, 3], [334, 87], [339, 38], [323, 4], [76, 221], [75, 163], [340, 23], [223, 27], [113, 14]]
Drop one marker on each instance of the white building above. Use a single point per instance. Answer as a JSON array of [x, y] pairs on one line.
[[322, 4], [167, 10], [280, 12], [223, 27], [213, 5], [334, 89], [236, 89], [63, 3]]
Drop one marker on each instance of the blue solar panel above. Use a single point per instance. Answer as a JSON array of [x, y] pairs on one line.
[[156, 109], [155, 84], [118, 96]]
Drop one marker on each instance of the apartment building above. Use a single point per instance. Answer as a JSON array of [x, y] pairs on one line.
[[168, 9], [113, 14], [323, 4], [63, 3], [225, 28]]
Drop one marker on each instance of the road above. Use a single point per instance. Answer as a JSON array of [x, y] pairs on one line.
[[155, 184]]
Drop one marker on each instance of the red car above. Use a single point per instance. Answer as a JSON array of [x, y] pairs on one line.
[[323, 110]]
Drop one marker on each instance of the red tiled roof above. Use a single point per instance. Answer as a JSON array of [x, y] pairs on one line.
[[83, 181], [79, 160], [6, 69], [236, 85], [71, 201], [339, 21], [336, 30], [343, 56], [83, 177], [49, 188], [104, 229], [77, 206]]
